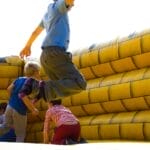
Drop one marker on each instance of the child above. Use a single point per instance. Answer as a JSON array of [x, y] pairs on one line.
[[67, 125], [10, 135], [16, 111]]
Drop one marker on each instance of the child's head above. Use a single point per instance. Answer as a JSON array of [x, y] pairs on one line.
[[31, 68], [2, 107], [55, 102]]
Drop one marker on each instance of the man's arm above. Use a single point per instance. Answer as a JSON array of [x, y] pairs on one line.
[[26, 51]]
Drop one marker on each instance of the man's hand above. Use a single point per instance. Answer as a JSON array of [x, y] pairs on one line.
[[25, 52], [69, 2]]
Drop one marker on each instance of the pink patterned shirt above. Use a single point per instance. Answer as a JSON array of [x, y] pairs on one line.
[[60, 115]]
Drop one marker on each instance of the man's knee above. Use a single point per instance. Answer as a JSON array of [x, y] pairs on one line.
[[82, 83]]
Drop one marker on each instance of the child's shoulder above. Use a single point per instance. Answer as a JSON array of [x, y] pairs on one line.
[[19, 79]]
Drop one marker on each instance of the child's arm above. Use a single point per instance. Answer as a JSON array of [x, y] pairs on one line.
[[9, 89], [24, 92], [30, 105], [46, 137], [46, 128]]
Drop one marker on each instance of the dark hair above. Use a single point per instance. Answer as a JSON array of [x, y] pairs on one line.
[[56, 102], [3, 106]]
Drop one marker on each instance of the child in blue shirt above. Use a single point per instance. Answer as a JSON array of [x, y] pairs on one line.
[[16, 111]]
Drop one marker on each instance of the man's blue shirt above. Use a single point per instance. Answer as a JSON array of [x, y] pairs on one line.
[[56, 23]]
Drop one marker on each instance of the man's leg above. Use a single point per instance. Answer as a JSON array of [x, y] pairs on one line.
[[65, 78]]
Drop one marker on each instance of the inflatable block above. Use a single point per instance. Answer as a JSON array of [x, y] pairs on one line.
[[142, 116], [112, 79], [14, 71], [99, 94], [66, 101], [4, 82], [108, 131], [147, 73], [133, 104], [77, 61], [39, 137], [109, 53], [4, 95], [94, 109], [133, 75], [113, 106], [142, 60], [88, 73], [30, 138], [94, 83], [132, 131], [85, 120], [77, 110], [80, 98], [146, 130], [123, 117], [145, 43], [102, 119], [140, 88], [147, 100], [89, 59], [92, 133], [130, 47], [103, 70], [120, 91], [123, 65]]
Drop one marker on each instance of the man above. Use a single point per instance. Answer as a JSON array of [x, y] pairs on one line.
[[65, 78]]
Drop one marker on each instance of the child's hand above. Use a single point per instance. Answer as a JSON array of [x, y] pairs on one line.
[[34, 101], [35, 112]]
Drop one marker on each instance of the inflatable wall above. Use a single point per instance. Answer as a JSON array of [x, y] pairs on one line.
[[116, 103]]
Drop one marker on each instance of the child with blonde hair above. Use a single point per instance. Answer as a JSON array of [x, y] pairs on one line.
[[19, 102]]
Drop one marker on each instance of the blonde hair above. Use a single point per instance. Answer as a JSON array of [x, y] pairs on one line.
[[31, 67]]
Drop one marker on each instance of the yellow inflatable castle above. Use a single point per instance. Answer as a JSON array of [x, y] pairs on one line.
[[116, 104]]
